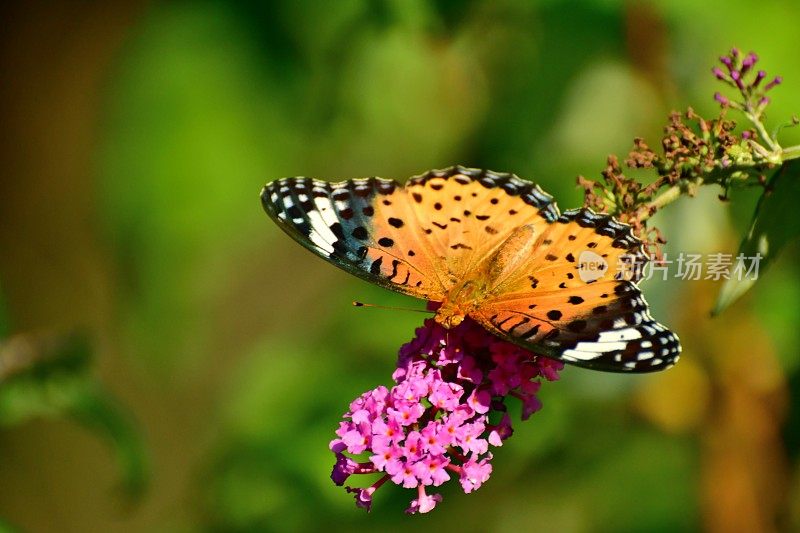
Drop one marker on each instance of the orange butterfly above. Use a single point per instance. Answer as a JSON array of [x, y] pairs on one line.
[[492, 247]]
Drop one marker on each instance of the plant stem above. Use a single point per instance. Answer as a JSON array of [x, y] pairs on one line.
[[755, 119], [670, 195], [793, 152]]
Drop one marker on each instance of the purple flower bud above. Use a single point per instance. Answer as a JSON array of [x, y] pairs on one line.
[[776, 81], [363, 497], [736, 76], [723, 101], [763, 102], [343, 468], [719, 73], [749, 61], [746, 134], [759, 77], [734, 52], [725, 60]]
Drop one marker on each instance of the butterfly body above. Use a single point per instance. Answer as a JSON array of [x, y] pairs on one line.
[[492, 247], [486, 282]]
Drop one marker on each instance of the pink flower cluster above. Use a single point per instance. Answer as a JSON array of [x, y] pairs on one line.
[[446, 409]]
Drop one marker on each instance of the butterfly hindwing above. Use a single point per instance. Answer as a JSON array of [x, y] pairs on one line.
[[602, 326], [596, 318]]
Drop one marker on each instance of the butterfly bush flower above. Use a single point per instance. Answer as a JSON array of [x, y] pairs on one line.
[[445, 412], [737, 74]]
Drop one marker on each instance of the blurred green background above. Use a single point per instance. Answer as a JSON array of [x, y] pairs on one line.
[[174, 363]]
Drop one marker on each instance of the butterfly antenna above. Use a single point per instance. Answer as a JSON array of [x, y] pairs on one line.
[[376, 306]]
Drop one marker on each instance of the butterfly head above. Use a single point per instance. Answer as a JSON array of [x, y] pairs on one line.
[[449, 316], [460, 302]]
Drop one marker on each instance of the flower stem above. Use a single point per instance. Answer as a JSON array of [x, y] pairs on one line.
[[666, 197], [762, 131], [670, 195], [792, 152]]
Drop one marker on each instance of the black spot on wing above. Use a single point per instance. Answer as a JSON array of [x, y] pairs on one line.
[[554, 314], [335, 221], [621, 234], [332, 219], [511, 184]]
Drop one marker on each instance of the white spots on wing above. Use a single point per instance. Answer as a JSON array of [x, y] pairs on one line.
[[320, 232], [626, 334], [586, 351], [644, 356], [323, 204], [320, 242], [647, 344]]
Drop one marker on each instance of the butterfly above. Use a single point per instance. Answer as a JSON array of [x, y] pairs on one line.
[[492, 247]]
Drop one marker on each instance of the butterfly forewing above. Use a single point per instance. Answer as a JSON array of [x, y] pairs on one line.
[[465, 214], [347, 224], [420, 239]]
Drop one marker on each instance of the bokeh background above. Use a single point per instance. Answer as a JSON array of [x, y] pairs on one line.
[[172, 362]]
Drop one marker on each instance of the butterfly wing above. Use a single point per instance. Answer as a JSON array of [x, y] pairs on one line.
[[337, 221], [419, 239], [591, 317]]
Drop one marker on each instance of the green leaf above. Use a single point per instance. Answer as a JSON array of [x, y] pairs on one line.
[[775, 223], [97, 410], [48, 375]]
